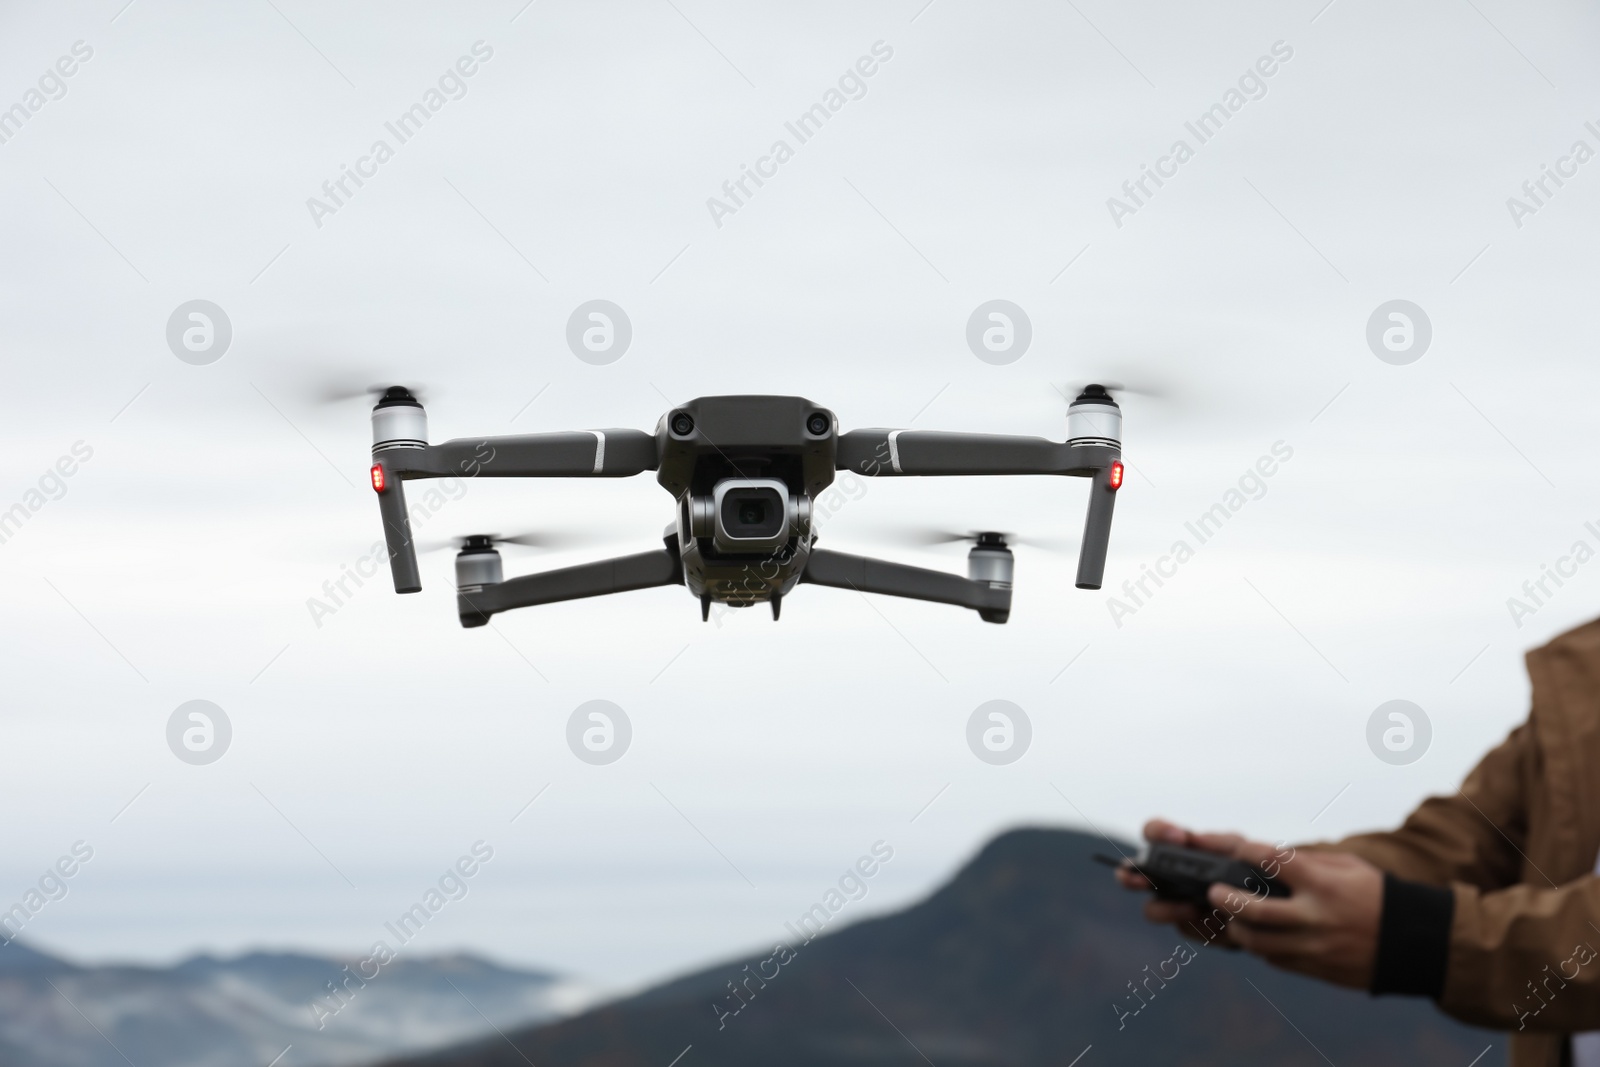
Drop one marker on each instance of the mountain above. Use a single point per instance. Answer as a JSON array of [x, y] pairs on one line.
[[245, 1011], [1024, 958]]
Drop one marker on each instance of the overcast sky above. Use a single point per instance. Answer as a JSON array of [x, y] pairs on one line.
[[371, 747]]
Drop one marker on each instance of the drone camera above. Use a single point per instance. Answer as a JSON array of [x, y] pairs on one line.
[[749, 514], [682, 424], [752, 513], [818, 424]]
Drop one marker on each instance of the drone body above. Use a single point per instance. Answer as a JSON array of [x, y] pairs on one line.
[[743, 472]]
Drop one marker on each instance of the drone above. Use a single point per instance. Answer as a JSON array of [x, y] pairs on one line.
[[744, 472]]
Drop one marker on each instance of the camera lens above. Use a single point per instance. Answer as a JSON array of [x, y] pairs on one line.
[[751, 513], [682, 424], [817, 424]]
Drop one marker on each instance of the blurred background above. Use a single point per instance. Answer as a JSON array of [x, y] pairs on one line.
[[1431, 457]]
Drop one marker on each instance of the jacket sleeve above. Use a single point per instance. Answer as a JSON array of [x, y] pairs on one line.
[[1524, 958], [1516, 952], [1476, 836]]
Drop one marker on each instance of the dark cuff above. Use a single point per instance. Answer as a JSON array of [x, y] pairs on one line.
[[1413, 938]]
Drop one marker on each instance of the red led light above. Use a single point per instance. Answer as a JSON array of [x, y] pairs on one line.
[[377, 477], [1116, 474]]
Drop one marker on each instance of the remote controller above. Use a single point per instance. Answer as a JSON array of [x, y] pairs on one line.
[[1185, 874]]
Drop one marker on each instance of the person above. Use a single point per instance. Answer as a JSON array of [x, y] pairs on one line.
[[1486, 901]]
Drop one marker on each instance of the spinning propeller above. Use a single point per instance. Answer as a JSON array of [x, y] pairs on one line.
[[486, 542], [927, 536]]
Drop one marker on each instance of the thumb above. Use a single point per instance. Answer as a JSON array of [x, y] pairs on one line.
[[1271, 860]]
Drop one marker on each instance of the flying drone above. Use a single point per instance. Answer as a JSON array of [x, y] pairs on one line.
[[744, 471]]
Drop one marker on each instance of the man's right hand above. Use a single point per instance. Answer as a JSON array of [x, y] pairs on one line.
[[1179, 914]]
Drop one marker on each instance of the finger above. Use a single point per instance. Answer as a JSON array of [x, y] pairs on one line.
[[1276, 914], [1263, 912], [1129, 878], [1274, 861], [1162, 832], [1165, 833], [1257, 853], [1170, 911]]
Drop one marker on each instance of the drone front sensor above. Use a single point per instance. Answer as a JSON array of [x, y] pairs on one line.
[[744, 471]]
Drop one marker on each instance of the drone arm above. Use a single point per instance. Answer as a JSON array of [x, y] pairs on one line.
[[844, 571], [580, 454], [584, 454], [892, 453], [644, 570], [927, 452]]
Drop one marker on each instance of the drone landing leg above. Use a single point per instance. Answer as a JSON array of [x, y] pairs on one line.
[[1096, 531], [644, 570], [844, 571], [397, 533]]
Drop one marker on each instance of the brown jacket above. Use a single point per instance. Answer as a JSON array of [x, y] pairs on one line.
[[1517, 845]]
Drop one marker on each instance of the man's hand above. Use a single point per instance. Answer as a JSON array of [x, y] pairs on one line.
[[1327, 929]]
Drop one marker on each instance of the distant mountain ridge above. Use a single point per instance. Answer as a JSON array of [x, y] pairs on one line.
[[1029, 956], [245, 1011]]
